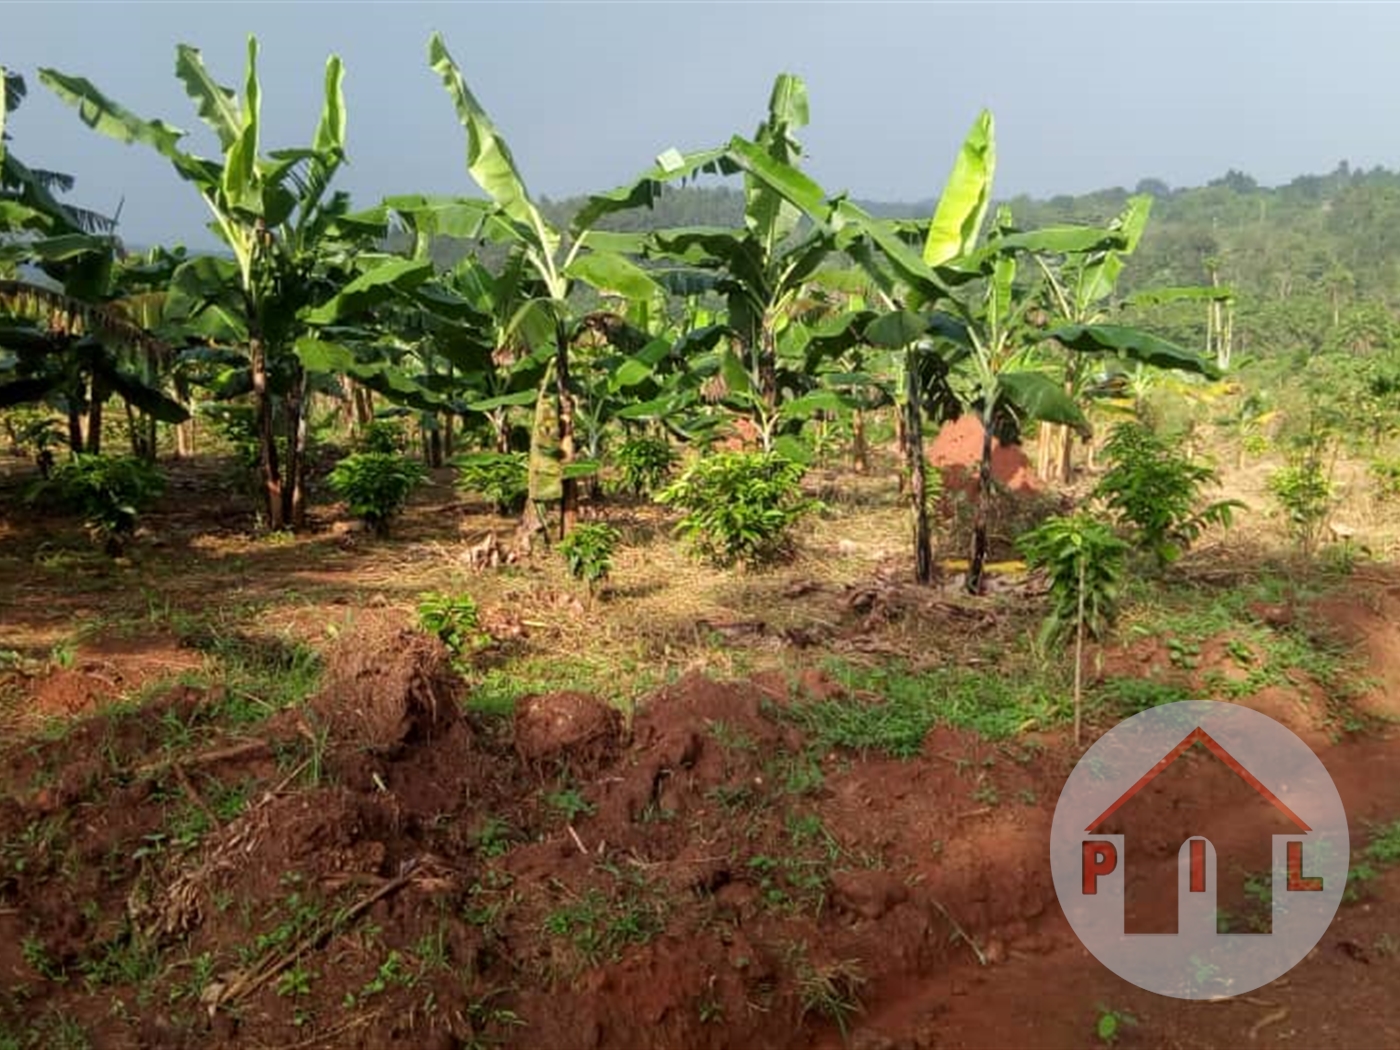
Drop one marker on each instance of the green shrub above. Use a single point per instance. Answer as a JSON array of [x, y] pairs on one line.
[[375, 485], [108, 491], [454, 618], [588, 549], [502, 477], [382, 435], [740, 506], [1074, 551], [1156, 493], [646, 463], [1304, 492]]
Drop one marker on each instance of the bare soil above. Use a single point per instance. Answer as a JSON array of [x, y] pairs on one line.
[[389, 865]]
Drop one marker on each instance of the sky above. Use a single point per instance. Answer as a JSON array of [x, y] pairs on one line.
[[1085, 95]]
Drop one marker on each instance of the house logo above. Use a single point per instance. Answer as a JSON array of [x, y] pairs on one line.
[[1199, 849]]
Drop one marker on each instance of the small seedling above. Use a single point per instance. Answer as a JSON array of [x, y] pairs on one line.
[[1111, 1023], [589, 550]]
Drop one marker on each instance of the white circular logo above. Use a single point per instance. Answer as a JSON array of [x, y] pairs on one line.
[[1168, 809]]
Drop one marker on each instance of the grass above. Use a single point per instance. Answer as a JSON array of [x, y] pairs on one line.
[[829, 990], [892, 708], [596, 926]]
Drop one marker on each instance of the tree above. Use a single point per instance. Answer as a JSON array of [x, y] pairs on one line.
[[554, 260], [277, 216], [77, 338]]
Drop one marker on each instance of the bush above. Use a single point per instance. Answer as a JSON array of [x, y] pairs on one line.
[[502, 477], [375, 485], [1156, 493], [1304, 492], [646, 463], [588, 549], [108, 491], [382, 435], [1075, 549], [452, 618], [740, 506]]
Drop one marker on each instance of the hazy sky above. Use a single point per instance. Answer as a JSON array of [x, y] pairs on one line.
[[1085, 95]]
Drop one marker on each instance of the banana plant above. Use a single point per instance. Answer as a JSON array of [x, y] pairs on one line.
[[961, 298], [761, 269], [80, 338], [1079, 287], [290, 238], [555, 262]]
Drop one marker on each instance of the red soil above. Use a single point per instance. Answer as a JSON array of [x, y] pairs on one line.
[[704, 878], [957, 452]]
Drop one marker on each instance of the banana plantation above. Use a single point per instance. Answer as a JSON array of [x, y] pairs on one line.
[[477, 620]]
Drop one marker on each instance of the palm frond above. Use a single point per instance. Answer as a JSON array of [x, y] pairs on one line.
[[73, 317], [53, 181]]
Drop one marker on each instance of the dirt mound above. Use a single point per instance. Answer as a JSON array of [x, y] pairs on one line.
[[1373, 626], [567, 731], [386, 687], [957, 452], [99, 671]]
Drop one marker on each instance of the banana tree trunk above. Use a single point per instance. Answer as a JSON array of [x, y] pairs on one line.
[[435, 445], [75, 427], [979, 518], [135, 430], [901, 440], [501, 422], [768, 368], [184, 432], [860, 450], [295, 490], [93, 429], [564, 403], [267, 439], [918, 469]]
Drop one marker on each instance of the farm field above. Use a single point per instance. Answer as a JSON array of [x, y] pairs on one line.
[[667, 617], [699, 808]]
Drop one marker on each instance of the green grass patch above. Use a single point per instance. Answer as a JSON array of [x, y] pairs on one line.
[[891, 709]]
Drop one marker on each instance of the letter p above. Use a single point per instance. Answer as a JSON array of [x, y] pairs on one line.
[[1100, 858]]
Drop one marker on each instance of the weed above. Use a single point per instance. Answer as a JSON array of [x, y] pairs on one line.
[[731, 738], [987, 794], [569, 804], [830, 990], [494, 837], [487, 1021], [598, 928], [36, 956], [295, 982], [392, 973], [1132, 695], [910, 704], [711, 1011], [1110, 1024]]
